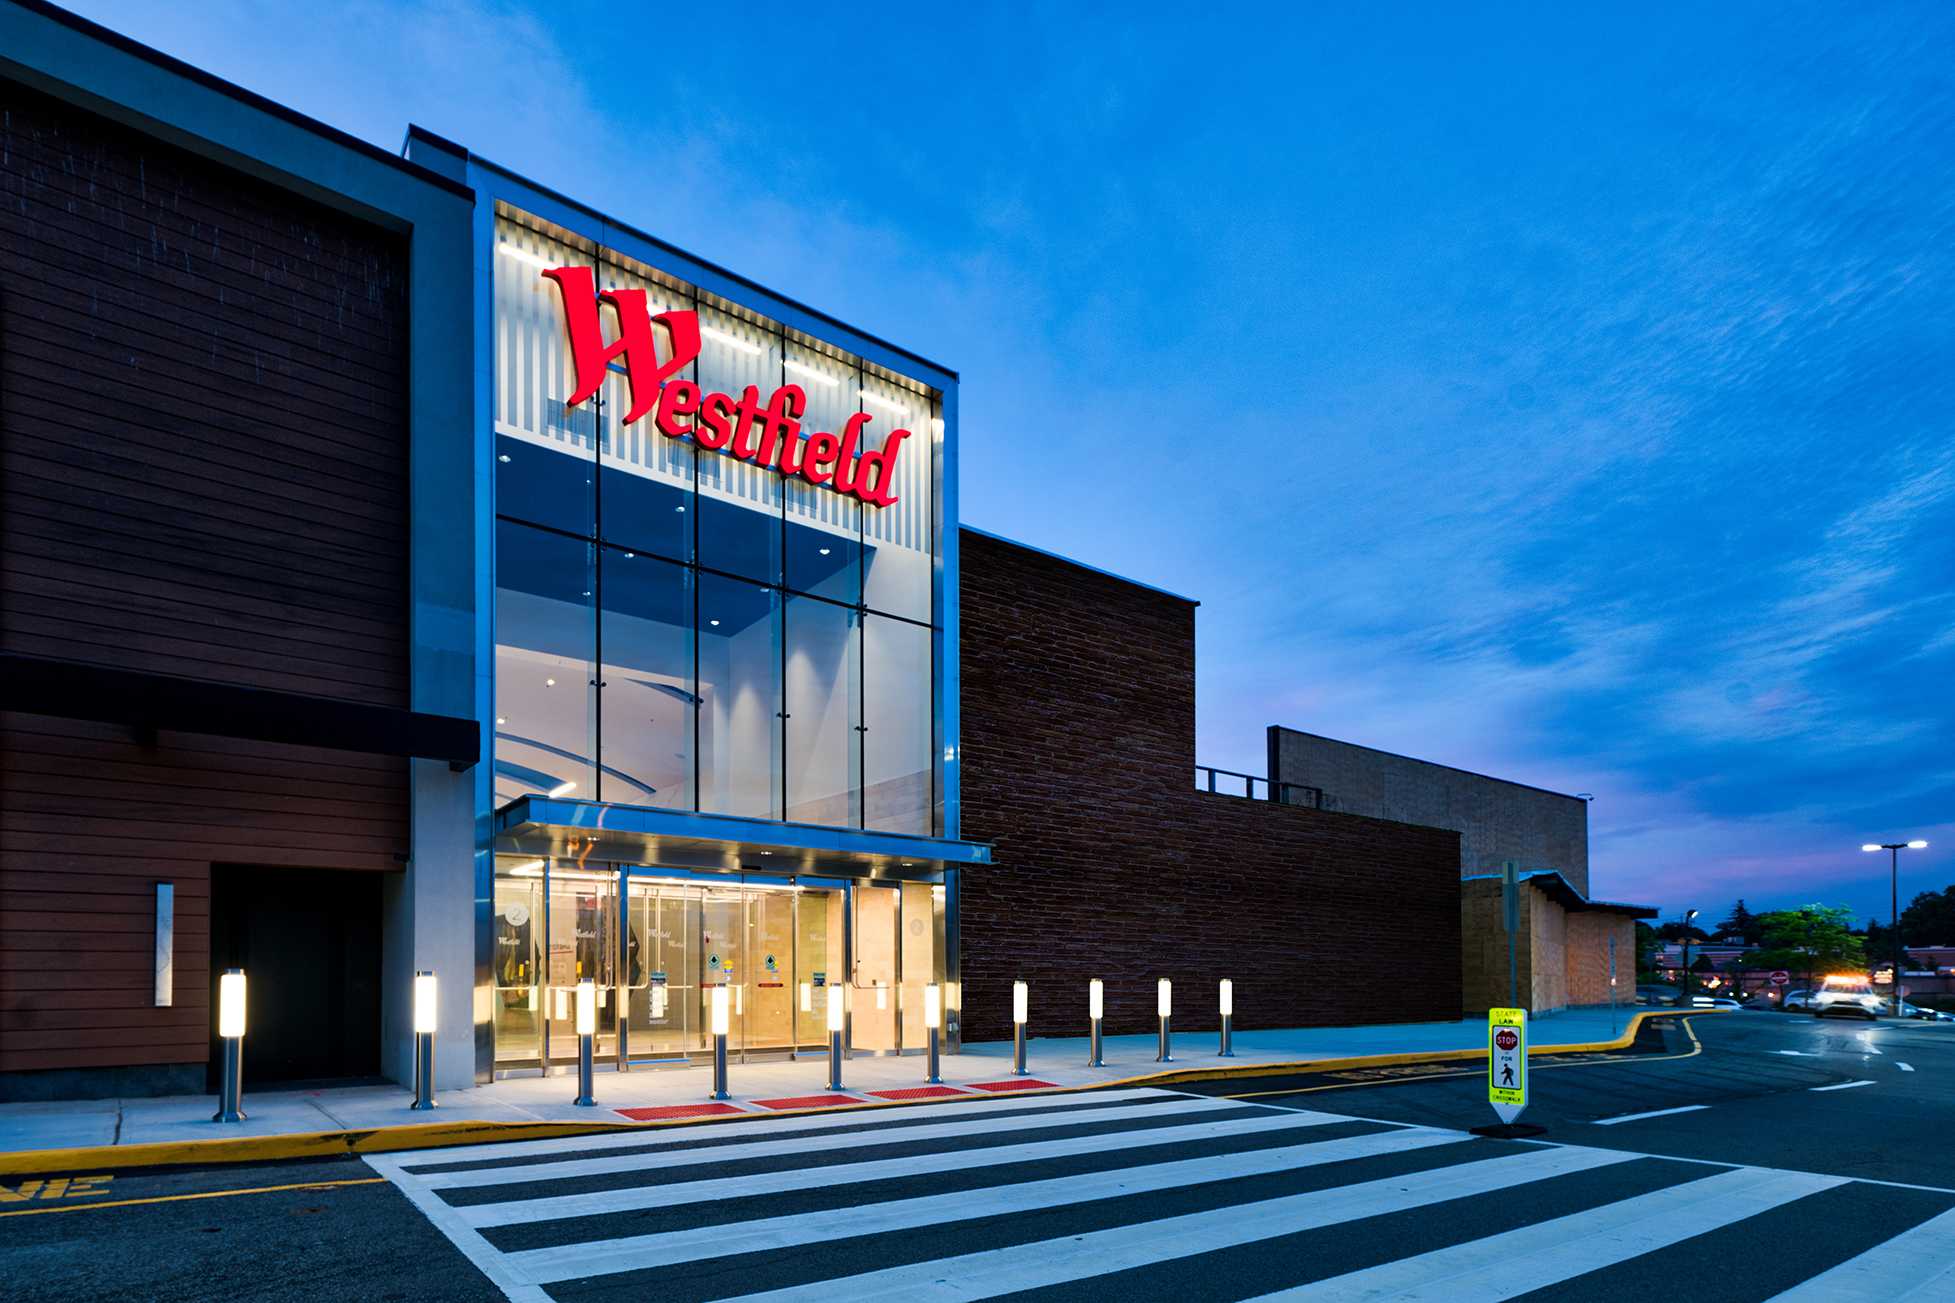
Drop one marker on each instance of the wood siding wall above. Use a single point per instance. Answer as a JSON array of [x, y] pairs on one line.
[[203, 472]]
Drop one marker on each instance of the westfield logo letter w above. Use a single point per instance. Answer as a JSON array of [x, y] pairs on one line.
[[636, 341]]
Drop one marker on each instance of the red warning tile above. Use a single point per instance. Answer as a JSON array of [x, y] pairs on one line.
[[677, 1111], [918, 1092], [808, 1101], [1016, 1083]]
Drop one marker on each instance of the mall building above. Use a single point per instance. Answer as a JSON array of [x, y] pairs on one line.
[[404, 566]]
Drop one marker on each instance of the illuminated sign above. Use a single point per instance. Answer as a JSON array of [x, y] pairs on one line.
[[766, 434]]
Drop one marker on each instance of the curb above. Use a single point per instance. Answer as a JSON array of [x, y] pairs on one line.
[[435, 1135]]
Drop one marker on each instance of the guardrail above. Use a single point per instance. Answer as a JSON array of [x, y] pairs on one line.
[[1281, 793]]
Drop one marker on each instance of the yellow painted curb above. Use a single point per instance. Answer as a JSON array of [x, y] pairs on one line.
[[434, 1135]]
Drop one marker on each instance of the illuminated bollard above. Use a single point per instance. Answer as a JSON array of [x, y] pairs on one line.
[[424, 1022], [933, 1018], [1228, 1017], [837, 1023], [1020, 1000], [586, 1036], [719, 1043], [1095, 1007], [1164, 1006], [230, 1029]]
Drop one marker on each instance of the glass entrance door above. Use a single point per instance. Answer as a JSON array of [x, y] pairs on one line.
[[874, 997], [663, 1017]]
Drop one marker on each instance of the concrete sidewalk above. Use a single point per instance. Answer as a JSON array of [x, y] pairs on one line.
[[172, 1129]]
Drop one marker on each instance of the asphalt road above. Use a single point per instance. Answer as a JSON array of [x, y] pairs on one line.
[[1761, 1089]]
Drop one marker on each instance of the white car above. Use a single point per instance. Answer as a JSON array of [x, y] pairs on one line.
[[1847, 997]]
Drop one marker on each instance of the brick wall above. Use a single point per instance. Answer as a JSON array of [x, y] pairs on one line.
[[1078, 753]]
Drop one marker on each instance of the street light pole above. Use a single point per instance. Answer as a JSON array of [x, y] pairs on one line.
[[1894, 850], [1689, 914]]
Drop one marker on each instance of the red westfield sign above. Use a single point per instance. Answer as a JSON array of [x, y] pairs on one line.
[[767, 434]]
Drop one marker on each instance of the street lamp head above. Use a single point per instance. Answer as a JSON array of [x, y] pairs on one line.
[[1870, 848], [1689, 914], [1917, 845]]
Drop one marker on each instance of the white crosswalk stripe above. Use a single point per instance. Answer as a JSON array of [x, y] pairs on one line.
[[979, 1198]]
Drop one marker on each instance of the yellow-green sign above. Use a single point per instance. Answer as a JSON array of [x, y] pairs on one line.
[[1507, 1061]]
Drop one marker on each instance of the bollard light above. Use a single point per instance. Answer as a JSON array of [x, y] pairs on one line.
[[1021, 999], [837, 1022], [1164, 1006], [1095, 1007], [587, 1007], [230, 1004], [424, 1023], [1228, 1019], [933, 1019], [586, 1034], [720, 1003], [230, 1028], [424, 1004]]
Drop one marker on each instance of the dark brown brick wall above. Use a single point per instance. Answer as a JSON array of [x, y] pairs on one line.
[[203, 473], [1078, 753]]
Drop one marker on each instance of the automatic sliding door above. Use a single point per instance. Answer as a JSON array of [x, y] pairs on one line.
[[582, 945], [661, 969], [873, 999]]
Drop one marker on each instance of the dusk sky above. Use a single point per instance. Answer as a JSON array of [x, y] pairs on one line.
[[1565, 398]]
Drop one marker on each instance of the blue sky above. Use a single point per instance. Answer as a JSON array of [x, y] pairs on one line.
[[1560, 396]]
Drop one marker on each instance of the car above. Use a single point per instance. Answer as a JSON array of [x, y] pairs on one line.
[[1847, 995], [1796, 1002], [1658, 994], [1926, 1015], [1718, 1002]]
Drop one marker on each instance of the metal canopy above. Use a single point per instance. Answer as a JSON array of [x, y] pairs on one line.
[[540, 826]]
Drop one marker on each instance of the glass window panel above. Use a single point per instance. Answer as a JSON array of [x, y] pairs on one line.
[[818, 961], [534, 375], [515, 972], [873, 998], [921, 962], [545, 486], [742, 536], [648, 690], [646, 514], [739, 692], [769, 1006], [822, 670], [583, 944], [898, 782], [899, 540], [822, 543], [661, 968], [646, 476], [546, 644]]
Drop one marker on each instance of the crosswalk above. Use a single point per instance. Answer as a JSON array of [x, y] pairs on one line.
[[1144, 1193]]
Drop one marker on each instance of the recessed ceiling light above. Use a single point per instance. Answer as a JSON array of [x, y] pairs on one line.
[[502, 721], [549, 683], [824, 551], [504, 457], [678, 508], [716, 622]]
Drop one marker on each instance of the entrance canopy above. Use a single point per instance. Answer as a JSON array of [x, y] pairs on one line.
[[535, 825]]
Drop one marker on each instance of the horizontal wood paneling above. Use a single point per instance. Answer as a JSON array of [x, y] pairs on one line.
[[203, 472]]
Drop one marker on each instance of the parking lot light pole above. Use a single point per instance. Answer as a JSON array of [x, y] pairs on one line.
[[230, 1029], [1164, 1007], [586, 1039], [1095, 1007], [1894, 850], [1021, 999], [424, 1023], [1228, 1017]]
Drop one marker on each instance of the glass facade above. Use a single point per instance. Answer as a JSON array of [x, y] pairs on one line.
[[680, 629], [656, 941]]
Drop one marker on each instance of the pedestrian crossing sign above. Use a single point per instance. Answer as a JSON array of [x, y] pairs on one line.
[[1507, 1062]]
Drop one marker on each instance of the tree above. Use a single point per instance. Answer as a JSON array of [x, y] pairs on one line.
[[1675, 932], [1813, 939], [1647, 944], [1929, 920], [1741, 922]]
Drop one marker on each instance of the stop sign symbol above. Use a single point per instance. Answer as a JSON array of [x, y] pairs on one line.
[[1780, 978], [1506, 1038]]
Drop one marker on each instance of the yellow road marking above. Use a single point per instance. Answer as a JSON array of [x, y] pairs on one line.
[[173, 1198]]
